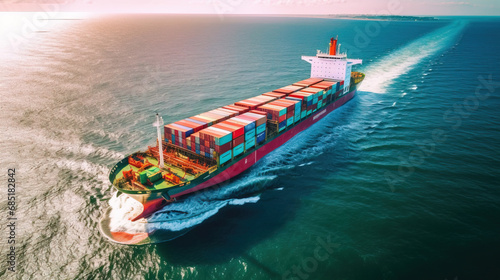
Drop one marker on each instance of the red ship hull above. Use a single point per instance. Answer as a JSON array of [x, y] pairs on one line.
[[246, 162], [243, 164]]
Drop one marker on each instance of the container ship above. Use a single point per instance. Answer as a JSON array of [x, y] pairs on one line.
[[208, 149]]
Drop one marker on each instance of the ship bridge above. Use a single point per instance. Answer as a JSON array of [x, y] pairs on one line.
[[332, 65]]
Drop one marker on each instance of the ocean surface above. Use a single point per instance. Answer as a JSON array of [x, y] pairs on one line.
[[400, 183]]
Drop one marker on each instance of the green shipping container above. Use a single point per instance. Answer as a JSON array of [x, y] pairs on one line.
[[143, 177], [303, 114], [289, 121], [155, 176]]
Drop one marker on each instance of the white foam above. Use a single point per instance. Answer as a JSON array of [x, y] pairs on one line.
[[245, 200], [121, 207], [198, 207], [381, 74]]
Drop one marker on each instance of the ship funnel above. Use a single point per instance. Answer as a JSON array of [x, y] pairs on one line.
[[333, 46]]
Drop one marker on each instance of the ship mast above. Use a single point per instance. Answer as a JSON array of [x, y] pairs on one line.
[[159, 124]]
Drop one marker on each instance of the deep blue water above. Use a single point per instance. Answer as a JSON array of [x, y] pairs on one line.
[[400, 183]]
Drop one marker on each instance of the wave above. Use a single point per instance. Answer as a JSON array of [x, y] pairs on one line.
[[385, 71], [200, 206]]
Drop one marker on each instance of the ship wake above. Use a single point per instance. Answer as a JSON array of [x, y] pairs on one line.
[[187, 213], [191, 211], [386, 70]]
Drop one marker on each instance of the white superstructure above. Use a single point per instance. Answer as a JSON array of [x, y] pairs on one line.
[[332, 65]]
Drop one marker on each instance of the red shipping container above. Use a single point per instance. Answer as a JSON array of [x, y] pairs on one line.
[[258, 112], [195, 126], [258, 118], [312, 89], [222, 114], [200, 120], [224, 148], [213, 116], [232, 112], [246, 104], [272, 112], [234, 122], [245, 117], [274, 94], [288, 89], [238, 141], [324, 85], [264, 98], [239, 109], [308, 82], [290, 108], [237, 131]]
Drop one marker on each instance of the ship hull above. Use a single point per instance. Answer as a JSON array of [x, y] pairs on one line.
[[249, 160], [154, 201]]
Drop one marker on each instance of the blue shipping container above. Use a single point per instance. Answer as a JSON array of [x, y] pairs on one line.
[[250, 143], [261, 128], [261, 137], [225, 157], [250, 134], [189, 130], [238, 149], [296, 118], [282, 125]]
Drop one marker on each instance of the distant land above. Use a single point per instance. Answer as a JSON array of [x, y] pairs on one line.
[[348, 16], [384, 17]]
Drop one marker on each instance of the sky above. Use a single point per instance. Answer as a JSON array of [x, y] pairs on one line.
[[386, 7]]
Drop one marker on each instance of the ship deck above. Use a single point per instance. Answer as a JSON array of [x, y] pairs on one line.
[[161, 183], [177, 160]]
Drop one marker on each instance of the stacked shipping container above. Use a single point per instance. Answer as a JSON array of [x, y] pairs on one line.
[[227, 132]]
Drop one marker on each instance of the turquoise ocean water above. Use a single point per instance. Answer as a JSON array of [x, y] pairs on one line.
[[400, 183]]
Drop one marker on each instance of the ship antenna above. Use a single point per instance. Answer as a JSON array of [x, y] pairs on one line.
[[159, 124]]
